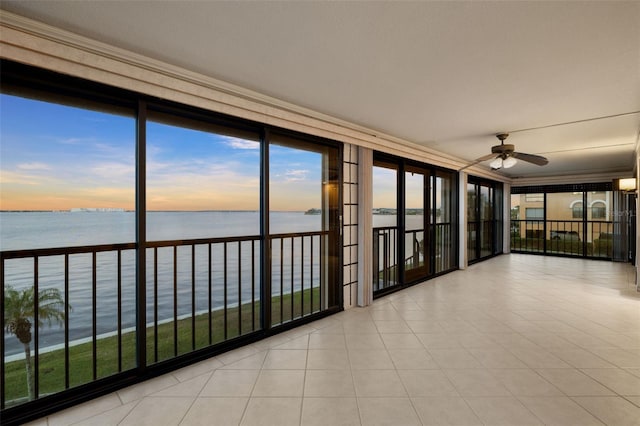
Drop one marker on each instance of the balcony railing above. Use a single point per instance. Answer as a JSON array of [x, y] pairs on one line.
[[385, 257], [199, 293], [385, 253], [563, 237]]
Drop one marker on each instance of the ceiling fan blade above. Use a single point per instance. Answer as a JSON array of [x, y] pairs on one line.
[[479, 160], [531, 158]]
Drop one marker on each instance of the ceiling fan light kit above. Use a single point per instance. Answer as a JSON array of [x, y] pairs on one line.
[[504, 156]]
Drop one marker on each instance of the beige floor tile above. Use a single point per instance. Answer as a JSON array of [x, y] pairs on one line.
[[491, 326], [619, 357], [477, 341], [584, 340], [611, 410], [392, 327], [202, 367], [476, 382], [188, 388], [301, 342], [370, 359], [551, 342], [427, 383], [85, 410], [445, 410], [279, 383], [271, 342], [618, 380], [412, 359], [330, 411], [327, 341], [378, 383], [525, 382], [364, 341], [329, 383], [620, 340], [559, 411], [438, 341], [148, 387], [539, 358], [333, 327], [634, 400], [581, 358], [112, 417], [389, 314], [154, 411], [497, 358], [506, 411], [360, 327], [208, 411], [237, 354], [230, 383], [454, 358], [455, 326], [573, 382], [288, 359], [272, 411], [401, 341], [423, 326], [251, 362], [387, 412], [328, 359]]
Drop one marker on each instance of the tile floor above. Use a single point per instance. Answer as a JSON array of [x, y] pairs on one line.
[[515, 340]]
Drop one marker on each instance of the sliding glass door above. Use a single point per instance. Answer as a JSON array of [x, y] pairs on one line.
[[416, 208], [484, 219], [414, 232]]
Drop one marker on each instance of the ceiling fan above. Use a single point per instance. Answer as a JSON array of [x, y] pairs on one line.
[[504, 156]]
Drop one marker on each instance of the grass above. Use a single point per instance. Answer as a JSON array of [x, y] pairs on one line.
[[239, 321]]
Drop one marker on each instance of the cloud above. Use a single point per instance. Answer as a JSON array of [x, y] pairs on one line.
[[296, 175], [115, 171], [75, 141], [9, 177], [237, 143], [33, 166]]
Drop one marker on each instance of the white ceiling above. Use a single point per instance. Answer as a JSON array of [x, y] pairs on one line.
[[562, 77]]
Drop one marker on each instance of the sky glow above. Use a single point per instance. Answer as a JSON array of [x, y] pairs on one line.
[[56, 157]]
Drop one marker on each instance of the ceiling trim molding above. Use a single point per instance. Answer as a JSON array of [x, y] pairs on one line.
[[34, 43], [567, 179]]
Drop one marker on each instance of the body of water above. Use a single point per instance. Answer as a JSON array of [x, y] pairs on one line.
[[33, 230]]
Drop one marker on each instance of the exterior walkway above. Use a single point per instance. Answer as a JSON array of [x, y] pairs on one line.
[[516, 340]]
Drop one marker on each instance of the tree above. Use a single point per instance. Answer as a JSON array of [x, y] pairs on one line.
[[19, 314]]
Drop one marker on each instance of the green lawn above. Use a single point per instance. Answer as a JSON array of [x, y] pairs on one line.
[[239, 322]]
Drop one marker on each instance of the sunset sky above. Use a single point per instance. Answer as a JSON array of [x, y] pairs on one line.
[[55, 157]]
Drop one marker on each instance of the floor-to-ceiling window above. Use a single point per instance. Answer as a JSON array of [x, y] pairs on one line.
[[385, 225], [443, 228], [303, 239], [567, 220], [484, 219], [414, 222], [140, 235]]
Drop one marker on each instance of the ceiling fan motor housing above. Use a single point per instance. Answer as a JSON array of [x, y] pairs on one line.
[[502, 149]]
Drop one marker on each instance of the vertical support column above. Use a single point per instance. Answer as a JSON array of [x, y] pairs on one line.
[[141, 236], [637, 218], [350, 225], [265, 241], [506, 215], [365, 226], [463, 260]]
